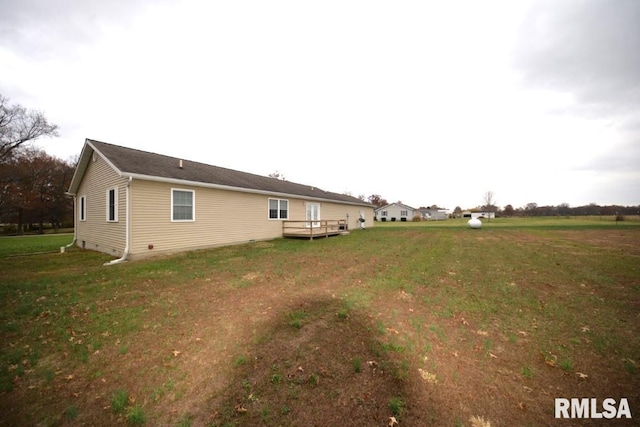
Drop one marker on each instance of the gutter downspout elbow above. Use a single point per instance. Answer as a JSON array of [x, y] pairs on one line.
[[125, 254], [75, 228]]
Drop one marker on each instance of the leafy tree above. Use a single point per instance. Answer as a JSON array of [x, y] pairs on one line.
[[377, 200], [33, 189], [531, 209], [508, 210], [19, 126]]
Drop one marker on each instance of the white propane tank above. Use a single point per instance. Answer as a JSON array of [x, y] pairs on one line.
[[474, 223]]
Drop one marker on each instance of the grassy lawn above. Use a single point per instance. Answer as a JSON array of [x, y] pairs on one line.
[[431, 323], [16, 246]]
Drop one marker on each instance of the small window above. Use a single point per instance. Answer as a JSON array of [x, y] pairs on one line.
[[403, 213], [278, 209], [82, 209], [112, 204], [384, 213], [182, 205]]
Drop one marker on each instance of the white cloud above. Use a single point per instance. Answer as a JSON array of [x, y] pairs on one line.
[[416, 101]]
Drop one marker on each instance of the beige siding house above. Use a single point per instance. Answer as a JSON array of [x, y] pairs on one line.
[[132, 204]]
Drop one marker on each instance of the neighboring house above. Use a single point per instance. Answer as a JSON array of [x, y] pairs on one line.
[[396, 212], [131, 204], [478, 214], [483, 214], [434, 214]]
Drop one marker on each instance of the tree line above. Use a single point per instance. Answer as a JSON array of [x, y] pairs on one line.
[[563, 209], [33, 184]]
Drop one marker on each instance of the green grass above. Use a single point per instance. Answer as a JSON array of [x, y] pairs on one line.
[[535, 283], [23, 245], [357, 365], [296, 318], [397, 406], [119, 401], [135, 416]]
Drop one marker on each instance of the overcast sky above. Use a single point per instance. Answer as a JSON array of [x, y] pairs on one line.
[[424, 102]]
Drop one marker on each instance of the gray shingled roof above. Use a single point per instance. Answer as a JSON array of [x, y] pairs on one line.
[[136, 162]]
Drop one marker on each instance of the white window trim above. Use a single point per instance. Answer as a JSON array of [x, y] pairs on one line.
[[269, 209], [193, 206], [115, 207]]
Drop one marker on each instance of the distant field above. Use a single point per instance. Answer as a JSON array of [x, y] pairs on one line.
[[430, 323], [559, 221]]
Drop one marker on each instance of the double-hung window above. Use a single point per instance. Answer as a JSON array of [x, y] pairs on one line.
[[112, 204], [183, 205], [278, 209]]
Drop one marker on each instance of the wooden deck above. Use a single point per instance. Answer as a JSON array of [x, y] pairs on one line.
[[313, 229]]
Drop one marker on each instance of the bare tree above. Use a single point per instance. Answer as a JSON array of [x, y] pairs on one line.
[[19, 126], [489, 203]]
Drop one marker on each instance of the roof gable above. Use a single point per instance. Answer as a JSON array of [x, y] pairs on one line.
[[400, 205], [138, 164]]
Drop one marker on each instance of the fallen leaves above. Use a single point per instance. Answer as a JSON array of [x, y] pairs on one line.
[[550, 359], [176, 353], [581, 375], [428, 377]]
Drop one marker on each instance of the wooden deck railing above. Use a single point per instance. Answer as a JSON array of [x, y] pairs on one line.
[[310, 229]]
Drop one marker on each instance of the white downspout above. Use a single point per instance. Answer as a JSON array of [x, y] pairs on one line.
[[127, 237], [75, 227]]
